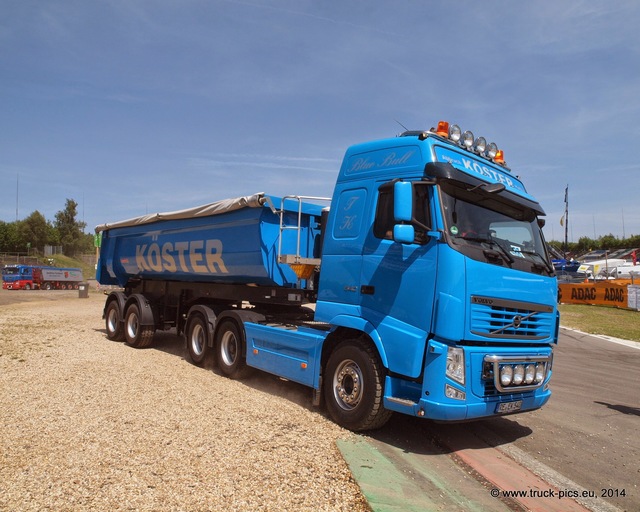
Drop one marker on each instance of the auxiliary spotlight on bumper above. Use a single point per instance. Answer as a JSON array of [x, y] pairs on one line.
[[514, 374]]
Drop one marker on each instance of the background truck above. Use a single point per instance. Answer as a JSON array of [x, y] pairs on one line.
[[425, 288], [29, 277]]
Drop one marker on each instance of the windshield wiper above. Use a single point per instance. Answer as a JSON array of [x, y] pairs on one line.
[[545, 264], [489, 240]]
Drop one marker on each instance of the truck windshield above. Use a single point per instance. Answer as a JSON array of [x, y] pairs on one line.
[[9, 271], [490, 228]]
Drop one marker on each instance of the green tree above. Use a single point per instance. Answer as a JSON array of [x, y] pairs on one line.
[[54, 235], [35, 230], [634, 241], [610, 242], [86, 245], [69, 229], [9, 239], [587, 244]]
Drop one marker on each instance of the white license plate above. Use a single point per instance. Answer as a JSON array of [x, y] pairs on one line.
[[509, 406]]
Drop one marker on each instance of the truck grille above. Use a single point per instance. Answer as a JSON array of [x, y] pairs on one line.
[[499, 318]]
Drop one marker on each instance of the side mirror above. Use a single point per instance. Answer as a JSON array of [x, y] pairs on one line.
[[404, 233], [402, 201], [403, 212]]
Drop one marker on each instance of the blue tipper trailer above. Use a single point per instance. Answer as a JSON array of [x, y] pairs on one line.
[[424, 288]]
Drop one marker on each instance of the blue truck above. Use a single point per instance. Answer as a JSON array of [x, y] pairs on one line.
[[424, 287]]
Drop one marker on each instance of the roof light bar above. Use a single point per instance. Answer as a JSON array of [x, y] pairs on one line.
[[469, 142]]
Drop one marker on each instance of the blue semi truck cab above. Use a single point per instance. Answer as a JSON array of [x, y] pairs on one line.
[[425, 287]]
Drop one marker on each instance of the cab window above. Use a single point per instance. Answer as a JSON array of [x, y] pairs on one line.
[[384, 221]]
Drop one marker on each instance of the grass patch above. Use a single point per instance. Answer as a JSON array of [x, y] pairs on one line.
[[88, 271], [619, 323]]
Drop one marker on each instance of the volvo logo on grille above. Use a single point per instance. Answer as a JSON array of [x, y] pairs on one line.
[[482, 300], [517, 321]]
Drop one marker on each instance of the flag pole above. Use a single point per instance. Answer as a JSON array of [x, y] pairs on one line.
[[566, 221]]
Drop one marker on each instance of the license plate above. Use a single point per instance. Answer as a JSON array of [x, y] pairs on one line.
[[509, 406]]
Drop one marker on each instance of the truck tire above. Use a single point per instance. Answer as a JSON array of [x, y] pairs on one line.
[[197, 336], [353, 387], [136, 335], [113, 325], [230, 350], [27, 286], [47, 286]]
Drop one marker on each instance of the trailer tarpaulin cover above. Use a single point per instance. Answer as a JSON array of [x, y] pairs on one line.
[[223, 206]]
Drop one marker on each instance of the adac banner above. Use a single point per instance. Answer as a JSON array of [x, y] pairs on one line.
[[603, 293]]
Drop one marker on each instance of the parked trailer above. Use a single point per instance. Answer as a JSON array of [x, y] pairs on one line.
[[434, 295], [32, 277]]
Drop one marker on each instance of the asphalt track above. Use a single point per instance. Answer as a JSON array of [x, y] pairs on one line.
[[418, 465]]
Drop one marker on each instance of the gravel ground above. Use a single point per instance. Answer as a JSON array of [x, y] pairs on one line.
[[90, 424]]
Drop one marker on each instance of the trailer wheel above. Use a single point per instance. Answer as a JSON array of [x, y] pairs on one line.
[[136, 335], [353, 387], [197, 336], [47, 286], [115, 330], [229, 348]]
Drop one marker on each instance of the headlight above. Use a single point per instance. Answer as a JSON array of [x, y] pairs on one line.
[[454, 132], [539, 373], [455, 364], [467, 139], [456, 394], [480, 145], [506, 375], [518, 374], [529, 374]]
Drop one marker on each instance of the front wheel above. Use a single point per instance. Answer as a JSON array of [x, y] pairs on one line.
[[230, 350], [136, 335], [353, 387]]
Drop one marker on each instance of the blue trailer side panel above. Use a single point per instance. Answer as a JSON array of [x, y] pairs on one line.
[[239, 247]]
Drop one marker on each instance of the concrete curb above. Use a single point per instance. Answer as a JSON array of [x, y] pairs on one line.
[[626, 343]]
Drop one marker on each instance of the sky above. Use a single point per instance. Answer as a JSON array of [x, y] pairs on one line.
[[131, 107]]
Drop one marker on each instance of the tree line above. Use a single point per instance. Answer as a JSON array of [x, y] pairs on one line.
[[606, 242], [34, 232], [30, 235]]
